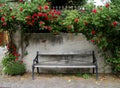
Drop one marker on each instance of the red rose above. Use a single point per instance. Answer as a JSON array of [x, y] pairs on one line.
[[52, 14], [115, 23], [107, 5], [40, 8], [4, 24], [16, 54], [13, 17], [16, 59], [58, 12], [49, 28], [45, 15], [34, 15], [92, 41], [2, 19], [41, 23], [40, 14], [33, 21], [46, 18], [46, 7], [76, 20], [20, 0], [94, 11], [93, 32], [27, 17], [29, 23], [21, 9]]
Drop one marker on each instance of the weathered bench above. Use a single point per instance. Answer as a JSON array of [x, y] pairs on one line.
[[68, 61]]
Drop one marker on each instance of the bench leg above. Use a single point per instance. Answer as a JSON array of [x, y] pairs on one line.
[[93, 70], [96, 72], [38, 70], [33, 71]]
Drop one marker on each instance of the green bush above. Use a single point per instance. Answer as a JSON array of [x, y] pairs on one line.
[[115, 61], [14, 68], [8, 59], [12, 65]]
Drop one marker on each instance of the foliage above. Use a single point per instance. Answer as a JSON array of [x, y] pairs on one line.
[[84, 75], [2, 1], [70, 20], [102, 28], [12, 65], [8, 59], [116, 2], [14, 68], [115, 61], [37, 16], [99, 24]]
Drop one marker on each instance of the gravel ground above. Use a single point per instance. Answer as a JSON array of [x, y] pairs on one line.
[[59, 81]]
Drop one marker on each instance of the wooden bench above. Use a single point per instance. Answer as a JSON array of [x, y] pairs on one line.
[[68, 63]]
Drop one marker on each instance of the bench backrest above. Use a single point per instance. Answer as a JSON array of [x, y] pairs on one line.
[[79, 53], [74, 54]]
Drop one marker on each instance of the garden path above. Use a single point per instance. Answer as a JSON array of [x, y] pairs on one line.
[[58, 81]]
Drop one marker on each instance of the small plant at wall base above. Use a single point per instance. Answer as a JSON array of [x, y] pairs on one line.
[[12, 65], [115, 61]]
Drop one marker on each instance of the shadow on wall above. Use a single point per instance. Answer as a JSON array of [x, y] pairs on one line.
[[64, 42], [47, 37]]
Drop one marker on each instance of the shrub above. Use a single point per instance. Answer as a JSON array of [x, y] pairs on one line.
[[14, 68], [8, 59], [115, 61], [12, 65]]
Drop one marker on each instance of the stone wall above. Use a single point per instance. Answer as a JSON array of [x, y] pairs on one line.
[[64, 42]]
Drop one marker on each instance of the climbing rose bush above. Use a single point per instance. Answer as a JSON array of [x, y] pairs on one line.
[[12, 64], [99, 24]]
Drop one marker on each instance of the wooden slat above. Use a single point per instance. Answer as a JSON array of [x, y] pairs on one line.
[[65, 54], [65, 65]]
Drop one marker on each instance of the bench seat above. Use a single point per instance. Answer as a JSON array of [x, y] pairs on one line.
[[48, 65]]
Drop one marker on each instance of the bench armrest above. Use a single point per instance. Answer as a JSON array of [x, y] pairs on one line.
[[94, 58], [36, 59]]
